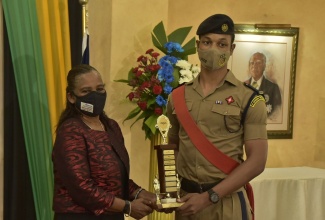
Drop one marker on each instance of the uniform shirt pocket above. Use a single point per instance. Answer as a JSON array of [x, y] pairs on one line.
[[231, 118]]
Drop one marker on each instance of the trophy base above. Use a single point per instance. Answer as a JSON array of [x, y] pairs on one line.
[[170, 205], [168, 200]]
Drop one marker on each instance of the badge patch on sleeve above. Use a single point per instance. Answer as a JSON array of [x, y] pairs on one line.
[[256, 99]]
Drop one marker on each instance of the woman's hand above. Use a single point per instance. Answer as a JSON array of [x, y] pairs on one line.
[[150, 197], [140, 208]]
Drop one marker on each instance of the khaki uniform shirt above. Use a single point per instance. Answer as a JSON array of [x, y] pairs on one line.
[[220, 121]]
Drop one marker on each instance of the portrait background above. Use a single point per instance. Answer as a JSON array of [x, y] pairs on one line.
[[280, 52]]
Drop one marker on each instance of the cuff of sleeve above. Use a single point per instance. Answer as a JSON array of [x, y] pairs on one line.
[[255, 131]]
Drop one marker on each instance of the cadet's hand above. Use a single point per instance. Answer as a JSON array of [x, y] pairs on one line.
[[166, 210], [194, 202], [140, 208]]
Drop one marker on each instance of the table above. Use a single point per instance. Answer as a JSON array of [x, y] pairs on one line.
[[296, 193]]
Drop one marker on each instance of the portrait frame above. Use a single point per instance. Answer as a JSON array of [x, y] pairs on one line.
[[279, 44]]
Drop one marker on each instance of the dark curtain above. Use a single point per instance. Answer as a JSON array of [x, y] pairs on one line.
[[75, 23], [18, 196]]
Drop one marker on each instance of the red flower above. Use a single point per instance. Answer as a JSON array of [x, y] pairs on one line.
[[140, 58], [155, 54], [154, 80], [139, 73], [136, 95], [145, 85], [131, 96], [149, 51], [149, 68], [154, 67], [142, 105], [143, 60], [135, 69], [157, 89], [158, 111]]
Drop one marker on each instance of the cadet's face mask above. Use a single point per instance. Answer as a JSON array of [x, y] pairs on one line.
[[213, 58]]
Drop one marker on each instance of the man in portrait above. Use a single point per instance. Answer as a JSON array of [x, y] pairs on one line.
[[271, 91]]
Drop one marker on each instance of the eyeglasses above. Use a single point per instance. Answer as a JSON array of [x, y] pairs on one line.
[[257, 62]]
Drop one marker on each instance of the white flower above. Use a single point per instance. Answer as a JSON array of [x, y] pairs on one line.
[[188, 71], [196, 69], [186, 74], [183, 64], [195, 74]]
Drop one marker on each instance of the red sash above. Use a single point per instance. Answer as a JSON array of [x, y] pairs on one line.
[[220, 160]]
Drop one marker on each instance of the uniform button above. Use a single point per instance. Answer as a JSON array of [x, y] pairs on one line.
[[226, 112], [198, 167]]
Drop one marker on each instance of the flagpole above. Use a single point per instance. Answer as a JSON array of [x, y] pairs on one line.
[[84, 4]]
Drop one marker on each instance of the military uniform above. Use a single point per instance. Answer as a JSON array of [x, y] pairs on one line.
[[219, 116]]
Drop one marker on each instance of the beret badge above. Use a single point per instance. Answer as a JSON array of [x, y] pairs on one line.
[[224, 27]]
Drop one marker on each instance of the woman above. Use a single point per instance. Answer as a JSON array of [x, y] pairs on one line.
[[91, 163]]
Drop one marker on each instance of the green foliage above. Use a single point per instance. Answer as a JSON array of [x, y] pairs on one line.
[[159, 40]]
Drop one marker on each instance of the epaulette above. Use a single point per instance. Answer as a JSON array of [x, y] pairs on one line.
[[251, 87], [256, 93]]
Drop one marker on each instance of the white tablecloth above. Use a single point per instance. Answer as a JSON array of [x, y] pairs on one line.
[[295, 193]]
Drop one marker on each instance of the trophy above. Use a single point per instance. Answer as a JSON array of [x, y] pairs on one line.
[[167, 184]]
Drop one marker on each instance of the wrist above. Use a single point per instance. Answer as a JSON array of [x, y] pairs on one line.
[[127, 208], [138, 193], [213, 196]]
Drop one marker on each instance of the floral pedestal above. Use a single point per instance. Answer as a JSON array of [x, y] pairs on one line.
[[156, 140]]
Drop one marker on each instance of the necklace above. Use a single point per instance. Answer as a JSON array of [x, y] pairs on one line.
[[87, 122]]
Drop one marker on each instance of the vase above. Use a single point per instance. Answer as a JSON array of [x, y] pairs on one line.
[[156, 140]]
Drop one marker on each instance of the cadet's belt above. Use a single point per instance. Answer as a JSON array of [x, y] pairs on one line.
[[194, 187]]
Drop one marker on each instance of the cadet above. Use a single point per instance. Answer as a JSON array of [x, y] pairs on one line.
[[225, 114]]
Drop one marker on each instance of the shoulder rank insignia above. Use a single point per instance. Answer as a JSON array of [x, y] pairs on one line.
[[256, 99]]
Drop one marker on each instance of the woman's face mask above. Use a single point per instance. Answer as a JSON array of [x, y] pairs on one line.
[[213, 59], [91, 104]]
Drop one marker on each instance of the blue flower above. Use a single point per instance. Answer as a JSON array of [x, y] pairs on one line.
[[167, 59], [168, 89], [171, 46], [165, 73], [169, 78], [173, 60], [161, 101]]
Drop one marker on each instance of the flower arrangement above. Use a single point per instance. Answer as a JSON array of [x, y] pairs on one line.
[[153, 79]]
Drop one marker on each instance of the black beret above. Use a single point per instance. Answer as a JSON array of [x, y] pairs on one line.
[[217, 24]]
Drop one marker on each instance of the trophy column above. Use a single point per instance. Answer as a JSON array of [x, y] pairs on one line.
[[167, 184]]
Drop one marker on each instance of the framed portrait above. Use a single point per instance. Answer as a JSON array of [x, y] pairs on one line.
[[265, 57]]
